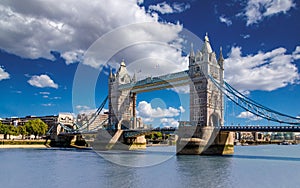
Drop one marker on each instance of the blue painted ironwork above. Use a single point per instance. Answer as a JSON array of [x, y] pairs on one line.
[[83, 129], [92, 118], [254, 107], [260, 128], [156, 83]]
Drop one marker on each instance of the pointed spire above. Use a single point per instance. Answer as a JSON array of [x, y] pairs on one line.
[[110, 73], [206, 37], [221, 59], [123, 63], [134, 77], [206, 46], [192, 53]]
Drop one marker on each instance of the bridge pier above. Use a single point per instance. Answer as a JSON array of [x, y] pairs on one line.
[[198, 140], [115, 140], [62, 140]]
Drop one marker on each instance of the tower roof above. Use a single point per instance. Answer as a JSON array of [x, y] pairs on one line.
[[110, 73], [123, 63], [221, 58], [192, 53], [206, 46]]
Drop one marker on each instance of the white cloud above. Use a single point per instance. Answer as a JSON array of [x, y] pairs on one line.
[[145, 110], [245, 36], [48, 104], [296, 53], [165, 8], [148, 120], [73, 56], [83, 109], [44, 93], [249, 115], [140, 2], [169, 122], [32, 29], [18, 92], [225, 20], [3, 75], [262, 71], [146, 50], [42, 81], [256, 11], [181, 109], [181, 89]]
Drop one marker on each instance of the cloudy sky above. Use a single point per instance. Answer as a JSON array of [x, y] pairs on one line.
[[55, 57]]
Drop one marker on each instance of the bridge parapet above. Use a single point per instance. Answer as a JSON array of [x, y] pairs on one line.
[[154, 83], [261, 128]]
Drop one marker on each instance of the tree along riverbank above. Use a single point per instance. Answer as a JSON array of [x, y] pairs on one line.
[[34, 127]]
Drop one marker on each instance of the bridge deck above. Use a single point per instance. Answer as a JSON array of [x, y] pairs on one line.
[[137, 132], [260, 128], [157, 83]]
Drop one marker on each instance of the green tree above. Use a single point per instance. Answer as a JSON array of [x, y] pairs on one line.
[[22, 131], [36, 127], [157, 135], [13, 130], [4, 129]]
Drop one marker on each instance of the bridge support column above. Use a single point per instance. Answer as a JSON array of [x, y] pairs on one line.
[[137, 143], [196, 140], [115, 140]]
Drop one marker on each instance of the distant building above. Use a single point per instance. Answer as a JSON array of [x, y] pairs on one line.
[[91, 120], [18, 121], [50, 120]]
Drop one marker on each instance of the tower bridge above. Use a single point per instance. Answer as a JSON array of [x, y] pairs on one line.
[[206, 101], [205, 132]]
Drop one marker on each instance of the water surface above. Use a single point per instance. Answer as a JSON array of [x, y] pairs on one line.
[[250, 166]]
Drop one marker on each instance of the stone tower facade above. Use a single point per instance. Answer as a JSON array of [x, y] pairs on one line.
[[122, 103], [206, 107], [206, 101]]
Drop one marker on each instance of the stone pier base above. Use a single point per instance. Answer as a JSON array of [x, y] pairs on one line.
[[114, 140], [137, 143], [196, 140]]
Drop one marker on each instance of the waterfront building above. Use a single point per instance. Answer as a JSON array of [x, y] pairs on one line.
[[91, 119], [50, 120]]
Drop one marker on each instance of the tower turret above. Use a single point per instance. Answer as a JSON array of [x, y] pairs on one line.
[[192, 55], [206, 46], [221, 59]]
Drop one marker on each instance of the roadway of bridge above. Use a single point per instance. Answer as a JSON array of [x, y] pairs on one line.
[[134, 132], [260, 128]]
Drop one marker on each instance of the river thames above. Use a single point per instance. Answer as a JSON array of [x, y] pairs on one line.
[[250, 166]]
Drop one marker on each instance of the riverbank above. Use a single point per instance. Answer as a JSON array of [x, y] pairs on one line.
[[24, 144]]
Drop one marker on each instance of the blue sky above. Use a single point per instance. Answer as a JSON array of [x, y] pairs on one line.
[[45, 49]]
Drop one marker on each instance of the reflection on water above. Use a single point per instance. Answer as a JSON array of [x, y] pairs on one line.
[[277, 158], [204, 171], [152, 156], [258, 166]]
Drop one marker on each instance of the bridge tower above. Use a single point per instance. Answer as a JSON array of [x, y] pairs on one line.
[[206, 100], [122, 103], [206, 106]]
